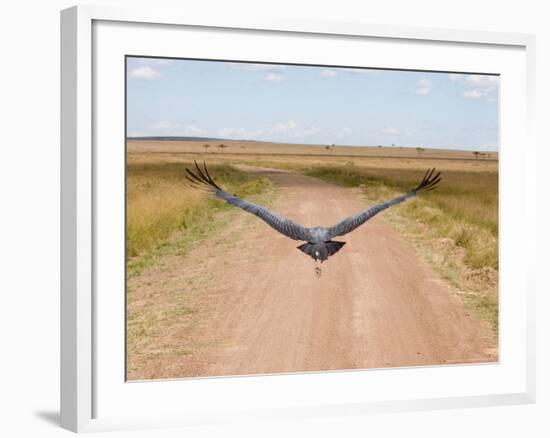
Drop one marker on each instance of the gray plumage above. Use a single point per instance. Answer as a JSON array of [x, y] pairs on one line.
[[319, 244]]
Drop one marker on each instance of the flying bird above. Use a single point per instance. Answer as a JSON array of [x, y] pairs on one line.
[[318, 240]]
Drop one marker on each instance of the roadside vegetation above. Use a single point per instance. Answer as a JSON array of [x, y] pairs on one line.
[[165, 213], [454, 227]]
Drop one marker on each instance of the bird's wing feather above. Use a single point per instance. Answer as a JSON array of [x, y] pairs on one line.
[[202, 179], [429, 182]]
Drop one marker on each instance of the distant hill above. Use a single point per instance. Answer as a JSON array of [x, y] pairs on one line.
[[184, 138], [195, 144]]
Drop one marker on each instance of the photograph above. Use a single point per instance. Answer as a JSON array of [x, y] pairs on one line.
[[290, 218]]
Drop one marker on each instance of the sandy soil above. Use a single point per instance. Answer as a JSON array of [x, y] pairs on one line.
[[260, 307]]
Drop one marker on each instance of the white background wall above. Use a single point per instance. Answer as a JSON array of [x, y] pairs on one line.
[[29, 218]]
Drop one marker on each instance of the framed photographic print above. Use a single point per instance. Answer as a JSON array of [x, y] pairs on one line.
[[280, 219]]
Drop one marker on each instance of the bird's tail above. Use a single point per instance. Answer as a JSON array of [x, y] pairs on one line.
[[321, 251]]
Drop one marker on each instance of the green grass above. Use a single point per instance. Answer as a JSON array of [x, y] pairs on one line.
[[165, 212]]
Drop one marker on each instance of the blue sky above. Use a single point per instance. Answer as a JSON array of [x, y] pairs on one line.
[[319, 105]]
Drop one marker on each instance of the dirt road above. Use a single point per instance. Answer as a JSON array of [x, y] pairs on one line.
[[258, 306]]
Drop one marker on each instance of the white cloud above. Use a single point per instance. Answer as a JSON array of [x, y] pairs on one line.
[[284, 127], [483, 86], [291, 130], [477, 86], [273, 71], [423, 87], [343, 132], [274, 77], [278, 68], [192, 129], [455, 77], [390, 131], [482, 80], [238, 133], [166, 127], [256, 67], [329, 73], [281, 131], [312, 130], [136, 134], [155, 61], [476, 93], [145, 73]]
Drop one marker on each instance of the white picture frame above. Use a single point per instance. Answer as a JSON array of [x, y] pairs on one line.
[[91, 392]]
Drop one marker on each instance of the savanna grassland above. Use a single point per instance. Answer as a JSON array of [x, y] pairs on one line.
[[454, 229], [165, 214]]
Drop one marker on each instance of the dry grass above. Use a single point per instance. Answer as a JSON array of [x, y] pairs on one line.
[[269, 150], [455, 227], [166, 218], [463, 208], [163, 210]]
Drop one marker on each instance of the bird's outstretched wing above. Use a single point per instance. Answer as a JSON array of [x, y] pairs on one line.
[[429, 182], [202, 179]]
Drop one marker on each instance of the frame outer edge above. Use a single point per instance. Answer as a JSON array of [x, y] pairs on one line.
[[68, 220], [76, 336], [76, 237], [186, 17], [532, 285]]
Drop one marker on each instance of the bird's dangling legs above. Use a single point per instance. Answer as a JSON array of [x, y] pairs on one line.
[[318, 271]]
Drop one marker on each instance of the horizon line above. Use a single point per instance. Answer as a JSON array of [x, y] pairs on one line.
[[220, 139]]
